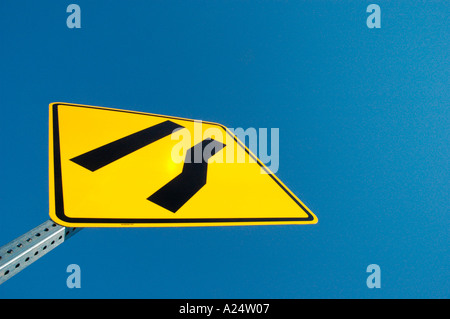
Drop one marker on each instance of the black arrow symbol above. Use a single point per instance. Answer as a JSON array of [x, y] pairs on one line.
[[106, 154], [179, 190]]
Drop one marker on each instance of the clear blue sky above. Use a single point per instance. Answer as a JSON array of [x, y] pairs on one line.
[[364, 141]]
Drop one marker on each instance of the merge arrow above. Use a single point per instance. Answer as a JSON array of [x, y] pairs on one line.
[[179, 190]]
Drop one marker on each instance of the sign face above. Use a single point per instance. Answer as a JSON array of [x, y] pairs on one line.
[[117, 168]]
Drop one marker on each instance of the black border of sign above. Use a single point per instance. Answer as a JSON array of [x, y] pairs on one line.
[[59, 201]]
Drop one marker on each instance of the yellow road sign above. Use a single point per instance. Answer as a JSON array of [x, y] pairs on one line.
[[117, 168]]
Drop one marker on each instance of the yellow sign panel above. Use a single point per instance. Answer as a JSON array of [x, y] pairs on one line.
[[117, 168]]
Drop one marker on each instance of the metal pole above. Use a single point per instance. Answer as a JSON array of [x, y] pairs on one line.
[[26, 249]]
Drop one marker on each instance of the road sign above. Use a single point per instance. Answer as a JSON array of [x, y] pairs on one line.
[[118, 168]]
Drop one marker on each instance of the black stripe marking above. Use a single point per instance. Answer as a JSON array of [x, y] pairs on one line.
[[179, 190], [106, 154]]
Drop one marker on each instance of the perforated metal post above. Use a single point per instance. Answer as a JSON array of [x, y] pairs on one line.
[[23, 251]]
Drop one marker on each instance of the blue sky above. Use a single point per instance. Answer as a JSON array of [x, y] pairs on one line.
[[364, 141]]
